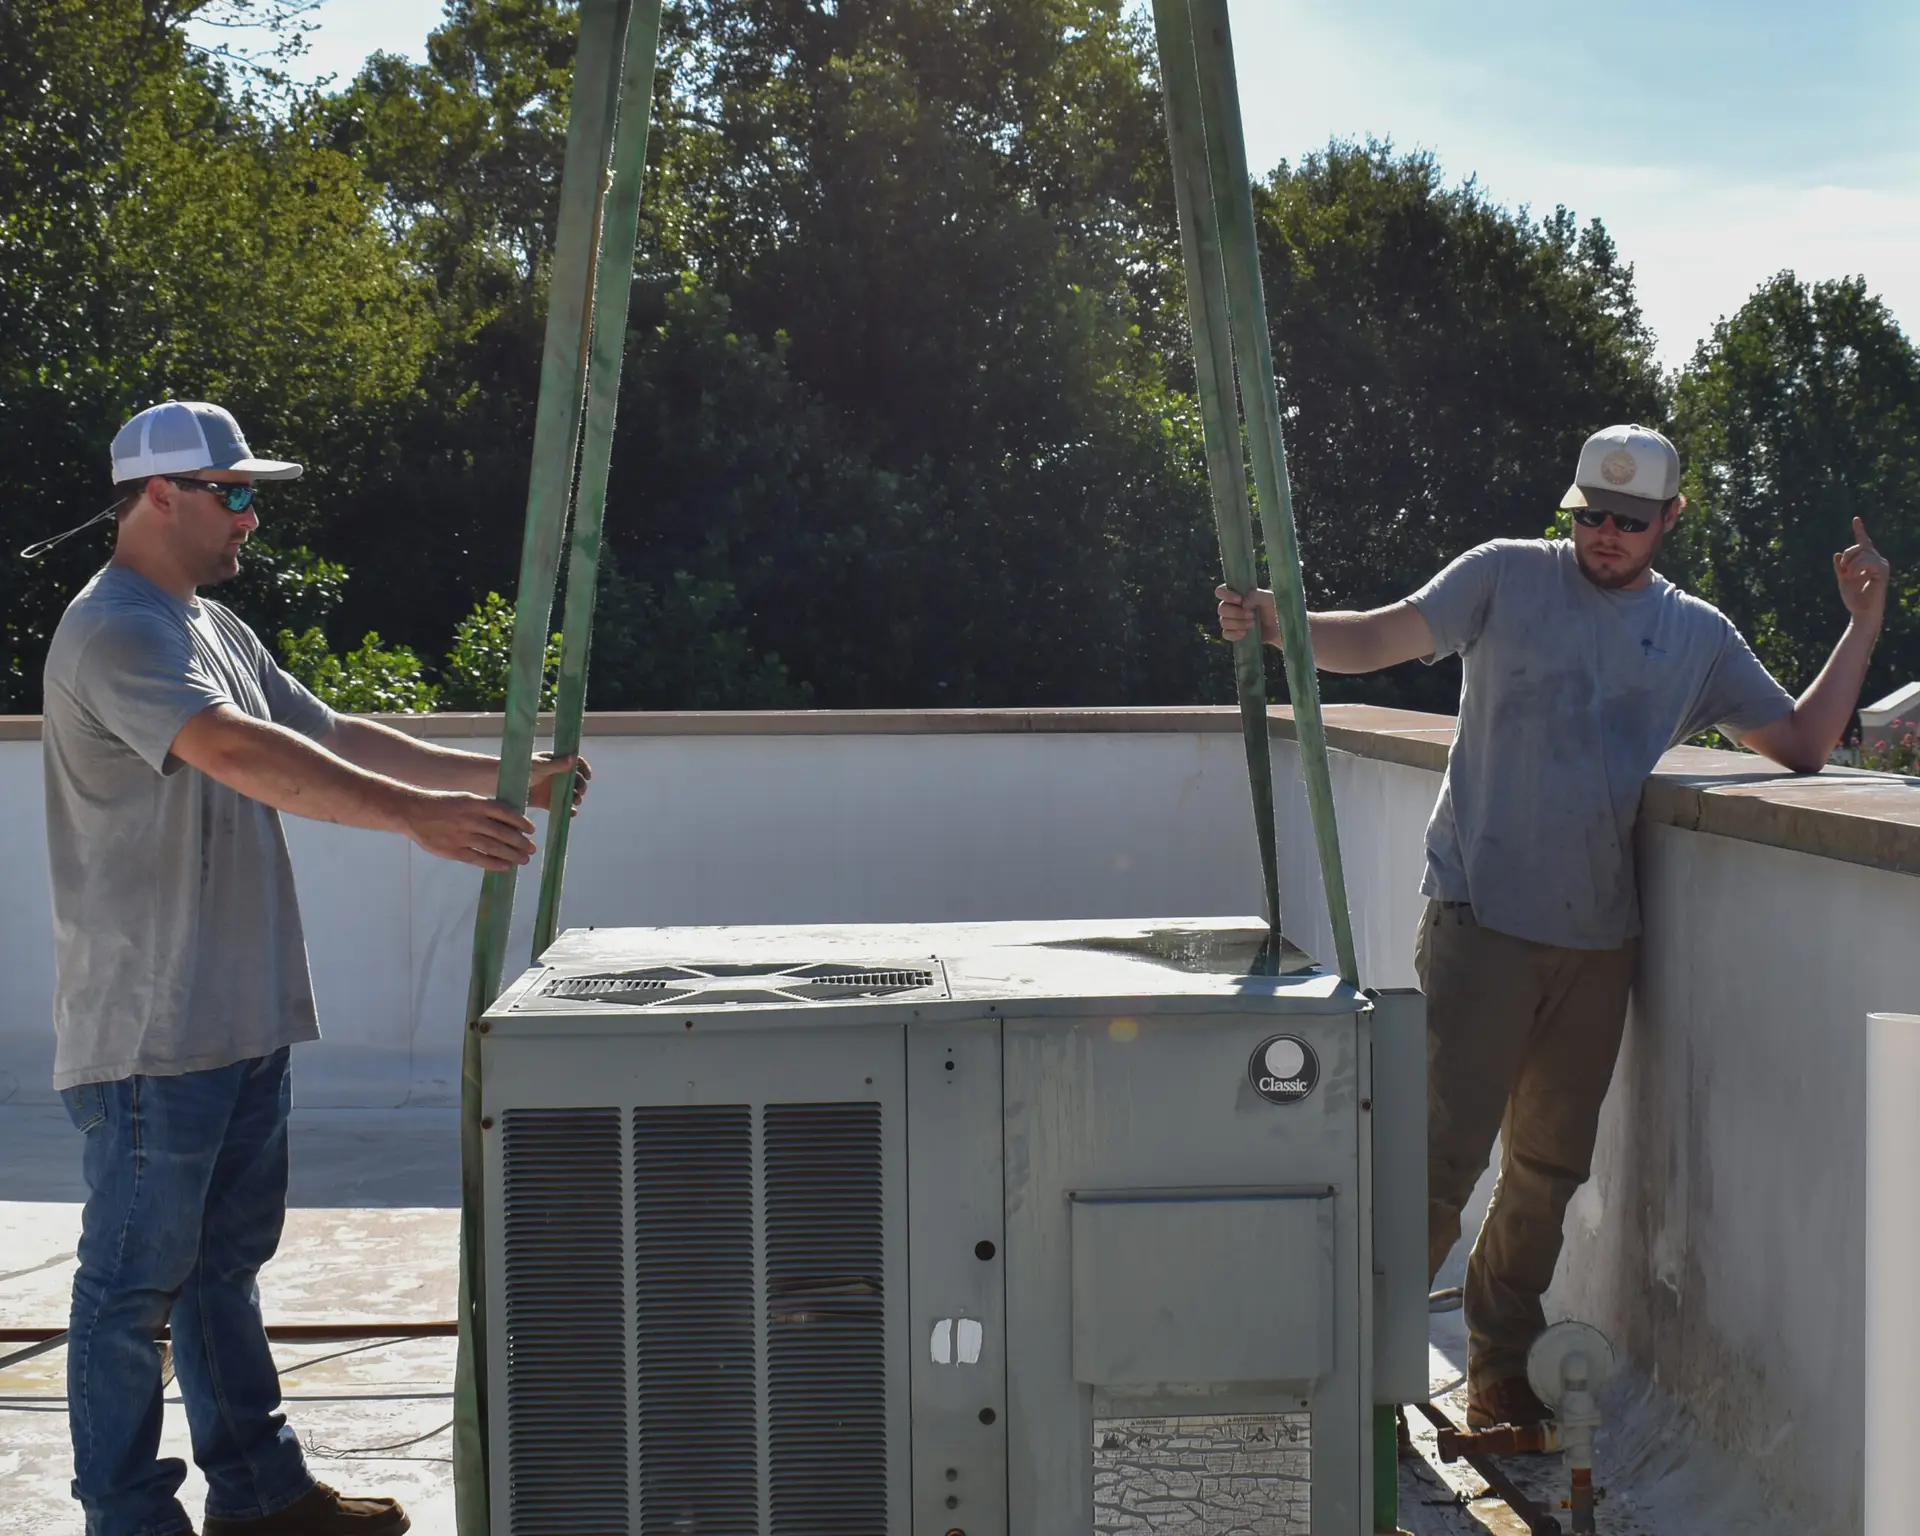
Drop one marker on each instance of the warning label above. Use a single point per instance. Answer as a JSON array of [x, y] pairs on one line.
[[1204, 1475]]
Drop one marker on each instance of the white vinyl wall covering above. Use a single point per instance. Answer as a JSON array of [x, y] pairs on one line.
[[1893, 1260]]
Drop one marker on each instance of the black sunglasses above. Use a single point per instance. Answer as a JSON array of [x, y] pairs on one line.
[[1593, 517], [236, 497]]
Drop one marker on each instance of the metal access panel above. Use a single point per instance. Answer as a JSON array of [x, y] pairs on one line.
[[899, 1231], [1188, 1328]]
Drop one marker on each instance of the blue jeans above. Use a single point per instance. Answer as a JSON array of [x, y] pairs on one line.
[[187, 1193]]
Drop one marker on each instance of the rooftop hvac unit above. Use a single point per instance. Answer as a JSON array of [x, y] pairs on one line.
[[1004, 1229]]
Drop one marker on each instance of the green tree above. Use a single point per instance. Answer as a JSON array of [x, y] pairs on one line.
[[1799, 413], [369, 680], [897, 375], [1441, 361], [956, 225], [475, 676], [681, 645], [171, 229]]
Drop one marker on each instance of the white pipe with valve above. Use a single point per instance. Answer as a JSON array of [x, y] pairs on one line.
[[1567, 1367]]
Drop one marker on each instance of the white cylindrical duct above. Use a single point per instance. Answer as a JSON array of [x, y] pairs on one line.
[[1893, 1268]]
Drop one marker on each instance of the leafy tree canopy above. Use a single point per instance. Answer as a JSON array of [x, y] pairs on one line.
[[1800, 413], [906, 413]]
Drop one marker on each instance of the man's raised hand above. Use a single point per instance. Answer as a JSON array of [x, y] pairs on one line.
[[1863, 573]]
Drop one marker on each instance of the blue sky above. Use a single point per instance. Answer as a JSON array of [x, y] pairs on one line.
[[1719, 140]]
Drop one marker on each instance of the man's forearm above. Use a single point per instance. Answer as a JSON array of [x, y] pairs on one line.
[[380, 749], [285, 770], [1821, 714]]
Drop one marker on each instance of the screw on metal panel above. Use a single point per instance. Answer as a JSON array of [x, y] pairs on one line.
[[956, 1531], [486, 1122], [953, 1501], [1365, 1105], [984, 1249], [953, 1474], [484, 1027], [987, 1415], [869, 1082]]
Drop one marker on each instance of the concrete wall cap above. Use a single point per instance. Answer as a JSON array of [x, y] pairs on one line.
[[1858, 818]]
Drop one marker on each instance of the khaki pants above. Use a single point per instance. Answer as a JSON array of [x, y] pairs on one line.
[[1521, 1041]]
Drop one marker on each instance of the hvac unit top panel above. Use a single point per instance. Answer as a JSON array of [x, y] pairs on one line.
[[630, 972]]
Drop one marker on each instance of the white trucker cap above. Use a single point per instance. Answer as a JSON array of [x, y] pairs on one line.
[[184, 435], [1630, 469]]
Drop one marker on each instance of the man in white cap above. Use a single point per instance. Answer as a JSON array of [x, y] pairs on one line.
[[172, 739], [1583, 665]]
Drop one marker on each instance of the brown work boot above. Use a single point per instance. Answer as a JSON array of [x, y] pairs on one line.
[[1507, 1400], [322, 1512]]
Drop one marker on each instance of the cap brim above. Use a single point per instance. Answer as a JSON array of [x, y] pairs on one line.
[[1610, 501], [267, 469]]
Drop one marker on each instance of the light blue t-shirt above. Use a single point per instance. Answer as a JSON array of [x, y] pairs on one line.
[[177, 937], [1569, 698]]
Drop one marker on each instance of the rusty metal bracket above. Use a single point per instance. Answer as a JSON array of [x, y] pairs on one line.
[[1538, 1522], [1505, 1440]]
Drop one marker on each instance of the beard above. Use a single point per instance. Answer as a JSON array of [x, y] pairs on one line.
[[1615, 580], [220, 568]]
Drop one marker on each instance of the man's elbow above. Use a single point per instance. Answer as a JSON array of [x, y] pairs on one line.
[[1795, 754]]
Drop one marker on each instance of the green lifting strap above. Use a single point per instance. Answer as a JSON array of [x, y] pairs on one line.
[[587, 289], [620, 231], [1219, 414], [1233, 358]]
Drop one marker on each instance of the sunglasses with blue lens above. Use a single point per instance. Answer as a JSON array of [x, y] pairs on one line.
[[236, 498]]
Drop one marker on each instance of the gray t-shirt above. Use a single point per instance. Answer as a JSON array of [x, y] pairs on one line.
[[177, 937], [1570, 696]]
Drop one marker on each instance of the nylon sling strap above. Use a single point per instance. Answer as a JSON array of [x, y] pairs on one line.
[[1233, 361], [588, 286], [1232, 345]]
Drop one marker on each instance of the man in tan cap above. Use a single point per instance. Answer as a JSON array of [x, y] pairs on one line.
[[1582, 666]]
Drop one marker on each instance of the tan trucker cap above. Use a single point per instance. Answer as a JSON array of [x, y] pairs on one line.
[[1631, 469]]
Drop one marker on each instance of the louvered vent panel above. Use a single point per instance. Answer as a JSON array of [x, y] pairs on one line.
[[826, 1320], [733, 985], [567, 1433], [694, 1321]]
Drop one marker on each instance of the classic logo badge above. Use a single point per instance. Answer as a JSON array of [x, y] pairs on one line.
[[1619, 467], [1283, 1070]]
